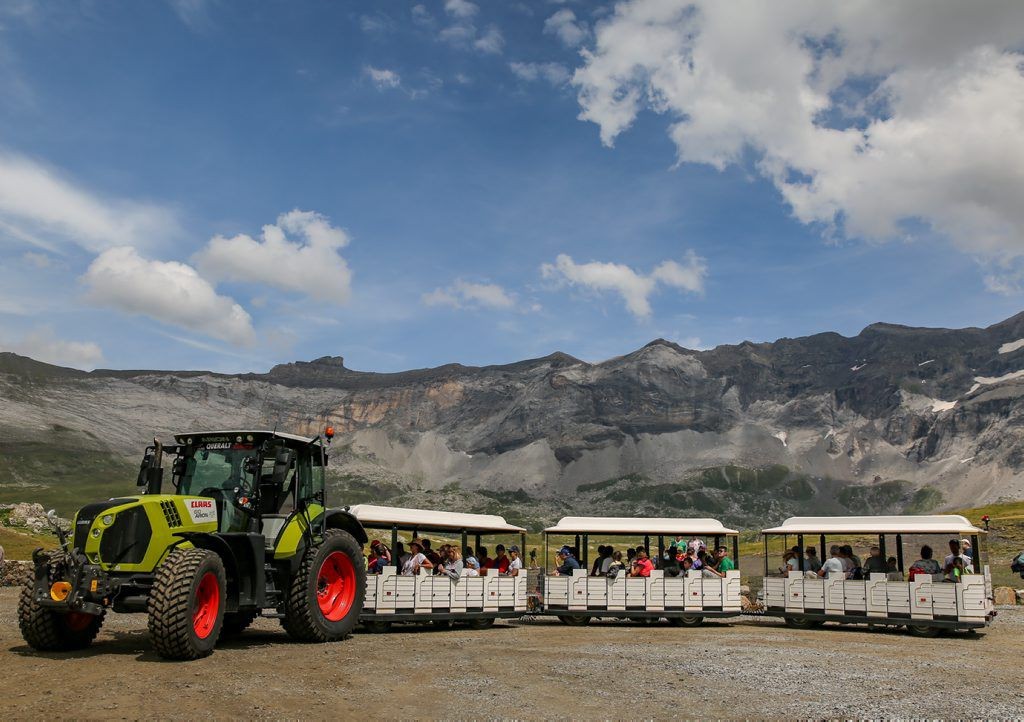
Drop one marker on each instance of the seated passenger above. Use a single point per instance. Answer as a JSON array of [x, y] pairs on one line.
[[515, 562], [834, 564], [485, 561], [670, 564], [957, 571], [696, 545], [566, 562], [790, 561], [472, 567], [630, 556], [616, 567], [955, 552], [429, 553], [453, 564], [846, 556], [696, 559], [501, 561], [642, 565], [400, 554], [417, 560], [603, 553], [875, 564], [722, 564], [892, 570], [812, 563], [925, 565], [686, 565]]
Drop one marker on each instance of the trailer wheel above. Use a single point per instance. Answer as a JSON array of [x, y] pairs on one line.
[[687, 620], [377, 627], [325, 596], [575, 620], [237, 622], [922, 631], [799, 623], [186, 604], [48, 630], [485, 623]]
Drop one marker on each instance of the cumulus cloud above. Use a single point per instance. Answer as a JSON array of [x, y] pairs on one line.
[[465, 294], [40, 207], [564, 26], [309, 265], [382, 77], [554, 73], [869, 119], [42, 344], [170, 292], [635, 288], [463, 32]]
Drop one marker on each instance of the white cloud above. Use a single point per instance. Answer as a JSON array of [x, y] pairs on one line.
[[311, 266], [460, 8], [170, 292], [383, 78], [463, 33], [39, 207], [635, 288], [869, 119], [554, 73], [43, 345], [563, 24], [422, 16], [37, 260], [377, 23], [194, 13], [465, 294]]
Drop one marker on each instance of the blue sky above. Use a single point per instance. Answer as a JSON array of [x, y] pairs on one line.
[[454, 205]]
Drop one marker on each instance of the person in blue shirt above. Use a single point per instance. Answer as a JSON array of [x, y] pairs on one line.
[[566, 562]]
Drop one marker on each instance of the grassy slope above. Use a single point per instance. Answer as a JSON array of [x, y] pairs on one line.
[[19, 544]]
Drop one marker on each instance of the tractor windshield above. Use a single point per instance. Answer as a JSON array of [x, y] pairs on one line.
[[219, 469]]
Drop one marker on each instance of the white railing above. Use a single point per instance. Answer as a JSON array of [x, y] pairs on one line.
[[656, 593], [426, 593], [925, 597]]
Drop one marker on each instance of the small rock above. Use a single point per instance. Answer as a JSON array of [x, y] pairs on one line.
[[1020, 596], [1005, 595]]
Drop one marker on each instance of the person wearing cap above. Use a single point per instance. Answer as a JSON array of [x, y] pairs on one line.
[[472, 567], [417, 560], [968, 554], [501, 560], [515, 562], [566, 562]]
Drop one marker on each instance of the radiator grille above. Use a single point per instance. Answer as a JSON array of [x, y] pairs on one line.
[[171, 514]]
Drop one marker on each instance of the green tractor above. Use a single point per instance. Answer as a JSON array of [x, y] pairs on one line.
[[245, 533]]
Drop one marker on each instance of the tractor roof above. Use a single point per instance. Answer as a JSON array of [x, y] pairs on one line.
[[240, 435]]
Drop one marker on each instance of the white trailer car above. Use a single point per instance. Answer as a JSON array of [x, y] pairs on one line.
[[925, 604], [682, 600], [428, 597]]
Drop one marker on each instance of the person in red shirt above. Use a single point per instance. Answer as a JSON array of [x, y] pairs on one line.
[[501, 561], [485, 561], [642, 566]]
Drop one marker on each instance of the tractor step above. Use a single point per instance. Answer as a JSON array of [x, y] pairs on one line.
[[272, 615]]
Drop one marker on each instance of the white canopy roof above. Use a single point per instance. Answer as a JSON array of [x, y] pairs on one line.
[[630, 525], [938, 524], [388, 516]]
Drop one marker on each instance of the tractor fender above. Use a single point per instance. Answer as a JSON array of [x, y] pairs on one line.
[[213, 543], [345, 520]]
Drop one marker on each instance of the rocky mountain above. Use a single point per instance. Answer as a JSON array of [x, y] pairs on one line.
[[894, 418]]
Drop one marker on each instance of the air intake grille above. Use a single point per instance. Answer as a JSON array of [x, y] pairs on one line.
[[171, 514]]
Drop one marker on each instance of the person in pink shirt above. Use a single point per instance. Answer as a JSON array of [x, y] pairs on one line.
[[642, 565]]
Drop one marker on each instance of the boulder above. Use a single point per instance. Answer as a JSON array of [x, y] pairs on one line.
[[1020, 596], [13, 573], [1005, 595], [29, 516]]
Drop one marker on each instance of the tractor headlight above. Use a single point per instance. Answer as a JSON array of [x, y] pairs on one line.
[[95, 533], [107, 519]]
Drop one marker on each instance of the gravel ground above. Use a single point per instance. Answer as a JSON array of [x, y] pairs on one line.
[[753, 667]]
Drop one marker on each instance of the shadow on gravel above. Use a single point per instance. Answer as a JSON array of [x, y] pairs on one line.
[[966, 636]]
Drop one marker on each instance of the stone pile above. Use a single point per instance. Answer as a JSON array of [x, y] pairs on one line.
[[13, 573]]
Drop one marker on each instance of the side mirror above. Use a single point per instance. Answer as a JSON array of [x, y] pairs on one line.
[[143, 478]]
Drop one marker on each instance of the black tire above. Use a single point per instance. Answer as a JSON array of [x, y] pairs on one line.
[[484, 623], [184, 587], [377, 627], [922, 631], [237, 622], [304, 619], [686, 620], [799, 623], [47, 630], [575, 620]]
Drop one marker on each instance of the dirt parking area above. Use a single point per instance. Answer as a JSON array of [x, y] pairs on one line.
[[532, 669]]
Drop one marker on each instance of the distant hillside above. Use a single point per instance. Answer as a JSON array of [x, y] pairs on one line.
[[894, 418]]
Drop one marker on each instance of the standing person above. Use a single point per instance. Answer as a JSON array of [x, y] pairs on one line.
[[812, 563], [566, 562], [501, 560], [834, 564], [515, 562]]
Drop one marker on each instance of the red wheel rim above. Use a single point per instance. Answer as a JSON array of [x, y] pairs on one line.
[[77, 621], [336, 586], [207, 605]]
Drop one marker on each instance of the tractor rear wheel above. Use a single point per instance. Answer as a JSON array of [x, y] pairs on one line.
[[50, 631], [325, 597], [186, 604], [237, 622]]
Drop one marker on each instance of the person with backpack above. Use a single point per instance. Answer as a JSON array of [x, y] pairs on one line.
[[1017, 565]]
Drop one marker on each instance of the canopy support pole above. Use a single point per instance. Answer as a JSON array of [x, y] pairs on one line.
[[800, 556], [736, 551], [899, 552], [394, 544]]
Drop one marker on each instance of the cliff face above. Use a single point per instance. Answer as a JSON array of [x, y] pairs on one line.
[[895, 417]]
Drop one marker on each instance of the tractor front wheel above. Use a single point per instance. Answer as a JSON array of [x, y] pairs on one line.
[[186, 604], [325, 597], [49, 631]]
